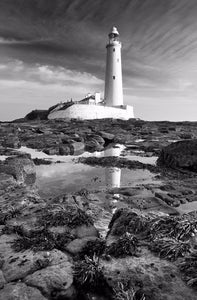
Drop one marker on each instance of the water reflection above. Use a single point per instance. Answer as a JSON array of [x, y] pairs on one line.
[[70, 176], [113, 175]]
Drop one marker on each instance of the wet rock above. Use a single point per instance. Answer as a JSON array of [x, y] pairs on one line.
[[6, 180], [77, 147], [158, 279], [77, 245], [2, 280], [94, 143], [182, 154], [19, 265], [108, 137], [20, 291], [11, 142], [52, 279], [51, 151], [21, 168], [64, 150], [86, 231], [165, 197]]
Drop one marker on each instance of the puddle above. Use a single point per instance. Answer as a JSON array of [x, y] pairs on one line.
[[70, 176], [3, 157]]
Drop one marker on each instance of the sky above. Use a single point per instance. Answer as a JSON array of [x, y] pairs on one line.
[[54, 50]]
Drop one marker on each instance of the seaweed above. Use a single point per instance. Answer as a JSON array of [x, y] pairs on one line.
[[65, 216], [88, 273], [131, 222], [9, 230], [8, 214], [42, 241], [125, 245], [188, 267], [93, 248], [170, 249], [121, 292], [178, 228]]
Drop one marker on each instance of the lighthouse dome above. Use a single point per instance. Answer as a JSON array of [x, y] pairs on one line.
[[114, 31]]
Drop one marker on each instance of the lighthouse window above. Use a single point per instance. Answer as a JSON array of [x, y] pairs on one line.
[[114, 50], [113, 77]]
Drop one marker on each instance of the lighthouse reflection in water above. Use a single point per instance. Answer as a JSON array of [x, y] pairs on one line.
[[113, 174]]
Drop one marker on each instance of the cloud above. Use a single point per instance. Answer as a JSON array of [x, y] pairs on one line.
[[44, 74]]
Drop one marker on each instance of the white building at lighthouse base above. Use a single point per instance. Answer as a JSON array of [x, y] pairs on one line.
[[91, 111]]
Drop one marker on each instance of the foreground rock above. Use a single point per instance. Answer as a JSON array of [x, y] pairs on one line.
[[182, 154], [20, 291]]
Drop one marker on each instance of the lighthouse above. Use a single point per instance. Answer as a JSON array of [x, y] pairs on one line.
[[112, 105], [113, 74]]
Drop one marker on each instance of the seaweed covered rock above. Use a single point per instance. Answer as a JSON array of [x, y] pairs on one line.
[[128, 220], [126, 245], [21, 168], [182, 154]]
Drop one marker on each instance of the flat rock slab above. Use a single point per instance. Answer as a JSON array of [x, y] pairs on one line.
[[52, 278], [160, 279], [20, 291]]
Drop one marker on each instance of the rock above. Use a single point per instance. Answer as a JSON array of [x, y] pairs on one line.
[[77, 147], [165, 197], [182, 154], [98, 138], [52, 279], [51, 151], [20, 291], [158, 278], [186, 136], [21, 167], [11, 141], [77, 245], [93, 145], [86, 231], [108, 137], [19, 265], [2, 280], [6, 180], [64, 150]]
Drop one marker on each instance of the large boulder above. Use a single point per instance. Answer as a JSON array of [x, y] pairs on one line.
[[21, 168], [182, 154]]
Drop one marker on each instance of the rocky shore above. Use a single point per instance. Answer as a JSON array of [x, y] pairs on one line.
[[53, 248]]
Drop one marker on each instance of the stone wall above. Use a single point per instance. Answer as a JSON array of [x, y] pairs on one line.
[[85, 112]]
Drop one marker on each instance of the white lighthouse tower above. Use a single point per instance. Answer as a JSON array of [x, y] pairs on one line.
[[112, 106], [113, 75]]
